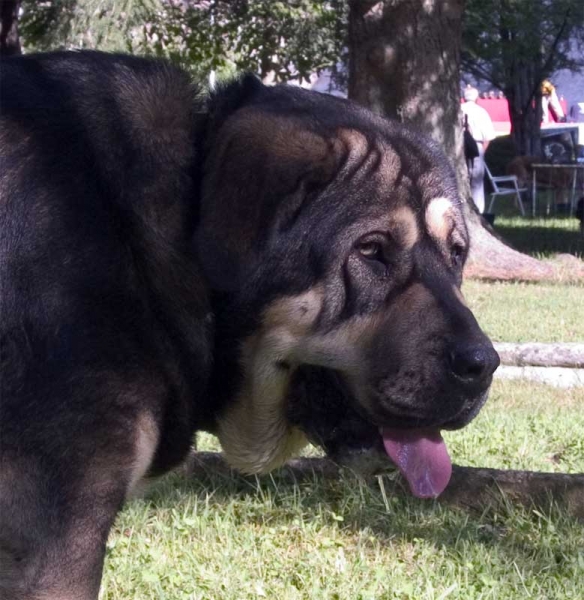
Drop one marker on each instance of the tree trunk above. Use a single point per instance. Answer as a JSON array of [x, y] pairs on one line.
[[492, 259], [404, 62], [524, 96], [9, 39]]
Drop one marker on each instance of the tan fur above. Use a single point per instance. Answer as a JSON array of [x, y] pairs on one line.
[[288, 149], [438, 220], [295, 312], [145, 445], [285, 139], [355, 143], [254, 433], [404, 220], [373, 159]]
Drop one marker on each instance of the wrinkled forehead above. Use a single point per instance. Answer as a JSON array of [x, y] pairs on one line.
[[399, 156], [399, 182], [418, 187]]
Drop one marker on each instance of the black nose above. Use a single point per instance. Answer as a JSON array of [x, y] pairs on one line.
[[474, 363]]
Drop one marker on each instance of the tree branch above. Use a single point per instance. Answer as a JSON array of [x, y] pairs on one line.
[[480, 72], [567, 355], [469, 488], [545, 68], [548, 62]]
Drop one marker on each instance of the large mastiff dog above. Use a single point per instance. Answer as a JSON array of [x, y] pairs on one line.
[[269, 264]]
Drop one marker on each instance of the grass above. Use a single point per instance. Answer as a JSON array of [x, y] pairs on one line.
[[522, 312], [240, 538], [541, 237], [243, 538]]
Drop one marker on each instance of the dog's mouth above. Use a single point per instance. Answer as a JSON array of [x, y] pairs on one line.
[[321, 405], [422, 458], [420, 453]]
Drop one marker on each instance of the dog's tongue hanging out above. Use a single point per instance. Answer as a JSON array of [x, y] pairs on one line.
[[422, 458]]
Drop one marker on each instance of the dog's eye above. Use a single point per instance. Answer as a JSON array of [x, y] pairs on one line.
[[371, 251], [457, 255]]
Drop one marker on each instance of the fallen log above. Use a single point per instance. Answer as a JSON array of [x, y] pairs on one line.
[[475, 487], [469, 487], [542, 355]]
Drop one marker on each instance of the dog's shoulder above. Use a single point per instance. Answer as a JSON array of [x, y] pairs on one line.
[[125, 118], [99, 191]]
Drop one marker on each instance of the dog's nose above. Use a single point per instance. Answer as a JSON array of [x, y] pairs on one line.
[[473, 363]]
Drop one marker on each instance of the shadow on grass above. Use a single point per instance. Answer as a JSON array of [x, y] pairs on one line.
[[540, 239], [527, 537]]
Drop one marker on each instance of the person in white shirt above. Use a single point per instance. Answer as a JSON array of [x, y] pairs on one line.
[[482, 130]]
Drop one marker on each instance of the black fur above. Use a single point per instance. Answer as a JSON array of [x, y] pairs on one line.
[[146, 234], [104, 313]]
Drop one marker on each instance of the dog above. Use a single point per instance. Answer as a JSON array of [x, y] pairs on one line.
[[266, 263]]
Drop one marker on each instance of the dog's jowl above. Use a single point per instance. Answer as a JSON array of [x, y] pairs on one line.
[[269, 264]]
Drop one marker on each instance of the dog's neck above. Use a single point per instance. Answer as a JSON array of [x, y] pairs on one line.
[[249, 388]]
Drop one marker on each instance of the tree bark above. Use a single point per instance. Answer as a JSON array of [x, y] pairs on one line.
[[522, 79], [469, 488], [404, 62], [9, 38], [525, 113], [492, 259]]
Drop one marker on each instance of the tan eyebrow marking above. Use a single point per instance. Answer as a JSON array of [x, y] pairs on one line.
[[405, 221], [437, 220]]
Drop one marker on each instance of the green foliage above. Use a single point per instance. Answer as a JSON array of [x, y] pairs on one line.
[[282, 40], [502, 36], [292, 39], [46, 25], [100, 24], [515, 45]]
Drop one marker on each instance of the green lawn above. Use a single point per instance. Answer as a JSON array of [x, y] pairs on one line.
[[243, 538], [523, 312]]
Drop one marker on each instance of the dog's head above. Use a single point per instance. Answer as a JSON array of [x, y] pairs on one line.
[[335, 242]]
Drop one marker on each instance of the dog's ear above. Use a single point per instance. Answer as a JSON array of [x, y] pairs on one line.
[[259, 171]]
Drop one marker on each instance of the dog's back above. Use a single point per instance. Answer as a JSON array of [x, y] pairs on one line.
[[103, 311]]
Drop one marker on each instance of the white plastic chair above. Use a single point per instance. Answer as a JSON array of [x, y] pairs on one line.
[[504, 185]]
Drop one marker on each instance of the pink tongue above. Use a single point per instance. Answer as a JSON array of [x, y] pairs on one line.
[[422, 458]]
